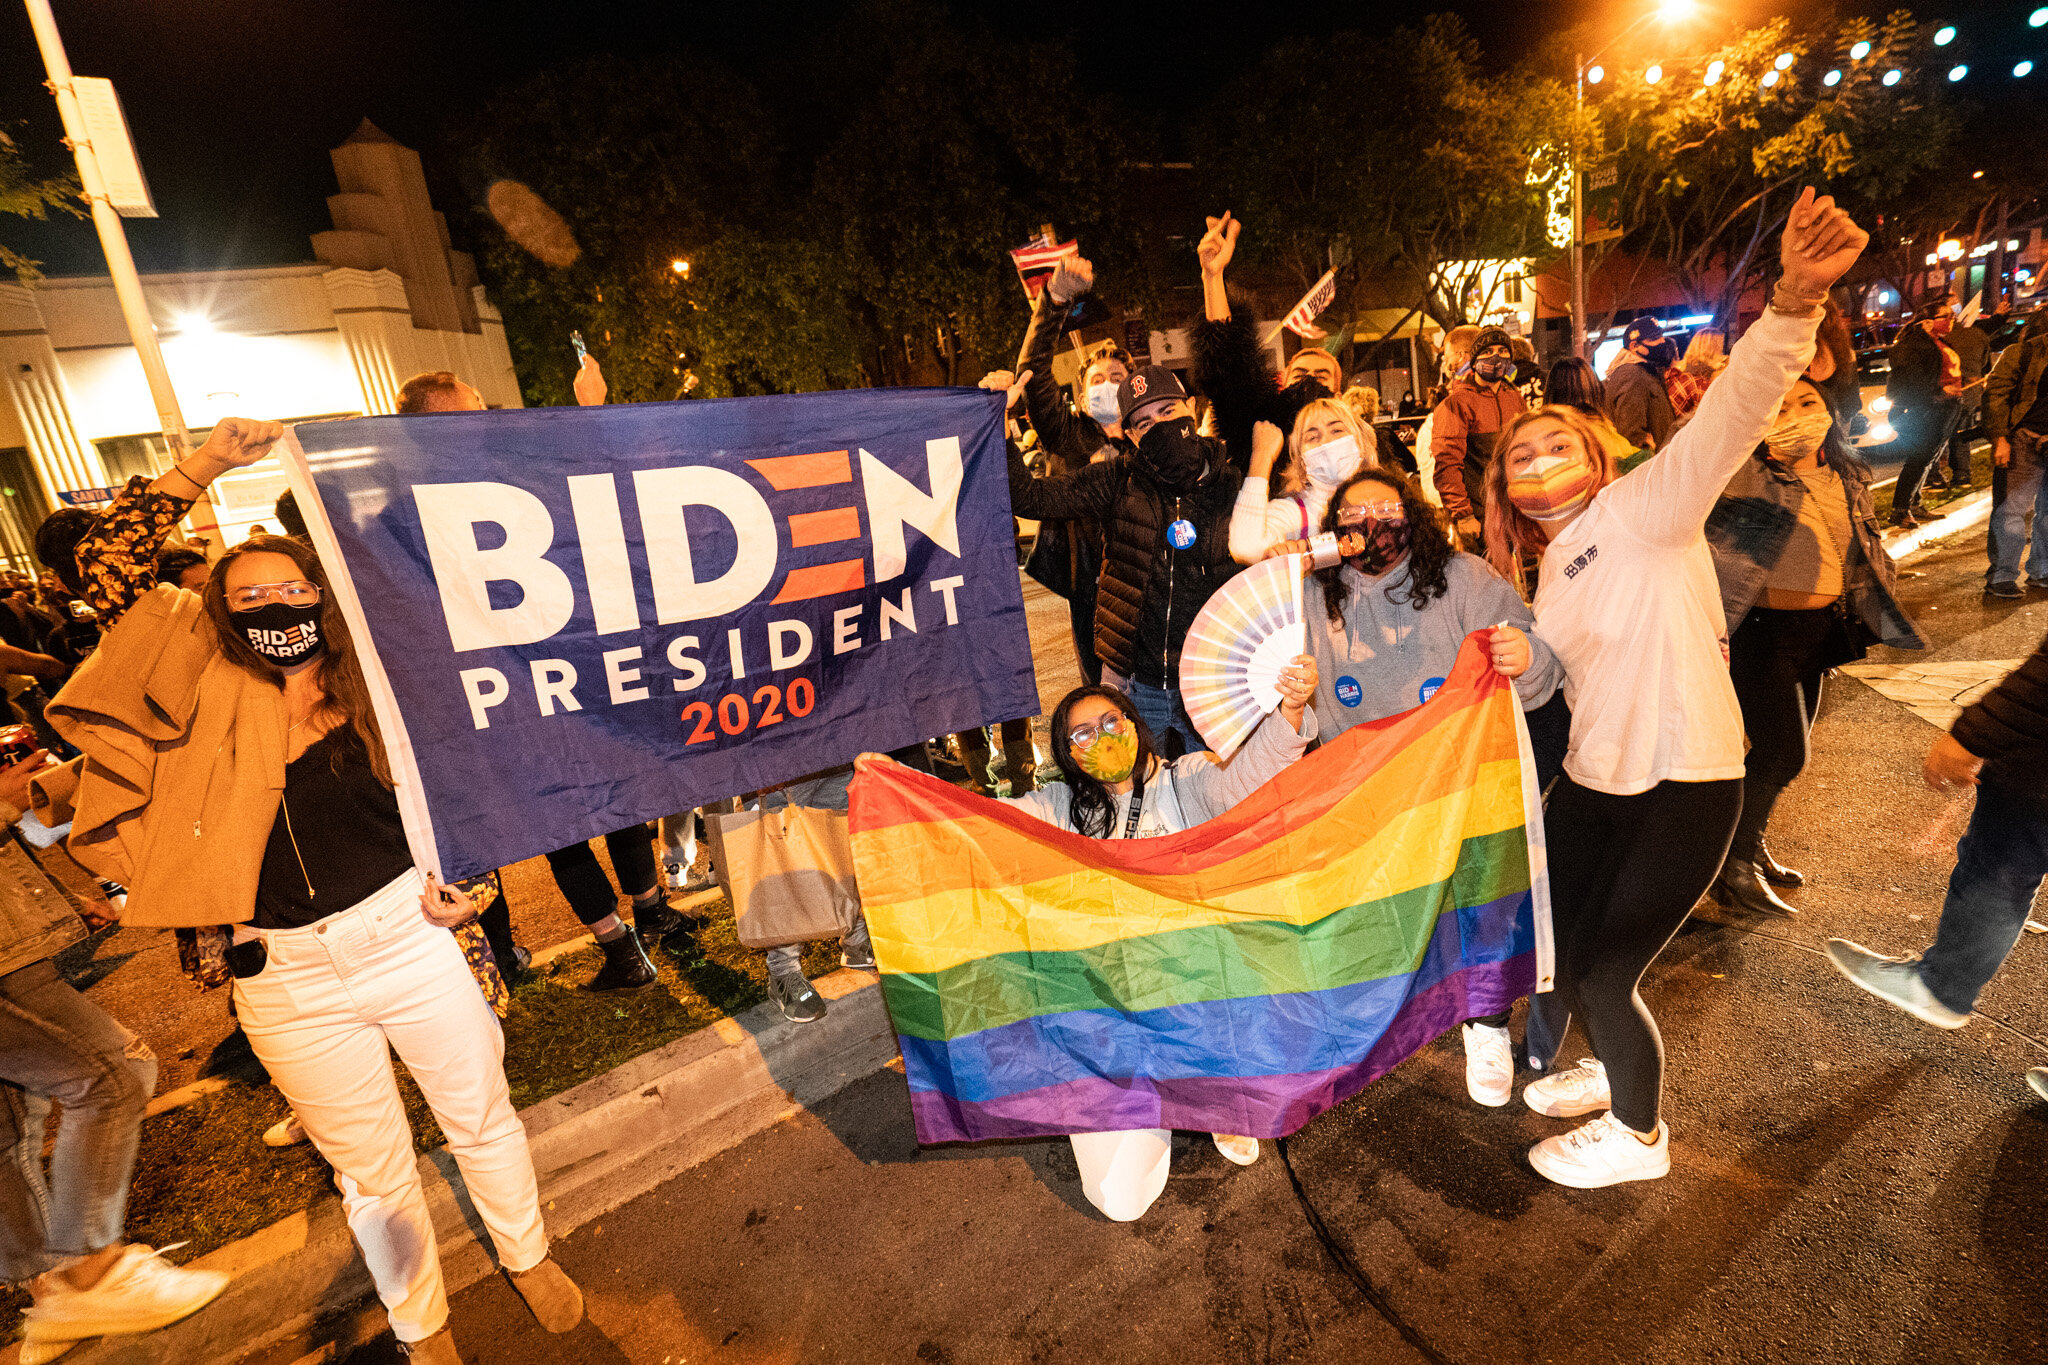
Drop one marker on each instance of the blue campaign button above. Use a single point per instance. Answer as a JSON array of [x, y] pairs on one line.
[[1348, 691], [1181, 534], [1429, 687]]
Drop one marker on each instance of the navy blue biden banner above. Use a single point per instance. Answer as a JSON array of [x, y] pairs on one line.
[[576, 619]]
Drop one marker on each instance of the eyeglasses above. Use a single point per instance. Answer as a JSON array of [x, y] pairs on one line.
[[1355, 513], [1081, 736], [297, 593]]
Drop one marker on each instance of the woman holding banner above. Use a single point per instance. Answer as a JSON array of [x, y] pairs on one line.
[[235, 771], [1653, 779], [1117, 787]]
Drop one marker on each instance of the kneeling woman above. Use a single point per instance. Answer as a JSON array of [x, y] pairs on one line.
[[232, 752], [1116, 787]]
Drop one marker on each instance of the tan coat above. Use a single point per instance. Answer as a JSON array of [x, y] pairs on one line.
[[183, 769]]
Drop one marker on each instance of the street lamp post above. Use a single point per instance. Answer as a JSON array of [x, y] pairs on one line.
[[113, 241]]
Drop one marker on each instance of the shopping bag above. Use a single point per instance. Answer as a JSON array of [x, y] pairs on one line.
[[788, 873]]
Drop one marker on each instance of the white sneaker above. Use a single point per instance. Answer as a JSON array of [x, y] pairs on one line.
[[1568, 1094], [2038, 1078], [1489, 1065], [140, 1292], [1602, 1152], [1242, 1150], [1893, 979], [288, 1132]]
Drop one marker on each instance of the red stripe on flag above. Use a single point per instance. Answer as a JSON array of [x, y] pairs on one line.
[[785, 472], [823, 580]]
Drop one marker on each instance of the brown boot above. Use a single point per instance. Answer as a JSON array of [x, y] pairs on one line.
[[556, 1302], [438, 1349]]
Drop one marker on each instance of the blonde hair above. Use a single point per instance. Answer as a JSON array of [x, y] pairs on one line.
[[1706, 353], [1338, 411], [1363, 400], [1458, 342], [1509, 534]]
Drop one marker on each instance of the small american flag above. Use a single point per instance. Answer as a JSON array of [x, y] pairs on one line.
[[1036, 260], [1302, 321]]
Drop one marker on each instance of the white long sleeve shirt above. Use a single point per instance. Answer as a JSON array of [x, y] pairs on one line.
[[1629, 601], [1257, 523]]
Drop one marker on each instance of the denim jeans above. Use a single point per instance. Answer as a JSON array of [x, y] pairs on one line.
[[1160, 709], [56, 1044], [2000, 864], [2009, 518]]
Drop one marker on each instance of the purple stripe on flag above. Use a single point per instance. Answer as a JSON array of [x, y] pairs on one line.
[[1250, 1106]]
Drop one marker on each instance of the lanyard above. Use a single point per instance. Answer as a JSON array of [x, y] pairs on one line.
[[1137, 804]]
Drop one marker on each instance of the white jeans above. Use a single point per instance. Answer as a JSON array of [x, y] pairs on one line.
[[322, 1016]]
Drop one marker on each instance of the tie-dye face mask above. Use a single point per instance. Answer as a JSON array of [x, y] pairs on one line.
[[1552, 488]]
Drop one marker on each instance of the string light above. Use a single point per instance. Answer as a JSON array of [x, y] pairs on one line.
[[1944, 36], [1784, 60], [1833, 78], [1859, 52], [2038, 17], [1894, 76], [1770, 79], [2023, 69], [1956, 73], [1656, 73], [1713, 76]]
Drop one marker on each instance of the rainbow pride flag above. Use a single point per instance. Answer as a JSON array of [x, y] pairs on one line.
[[1241, 976]]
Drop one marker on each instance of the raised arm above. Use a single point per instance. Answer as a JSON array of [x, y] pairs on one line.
[[1666, 500], [117, 556], [1062, 432]]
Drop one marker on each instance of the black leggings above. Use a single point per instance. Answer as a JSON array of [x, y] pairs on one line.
[[1624, 873], [583, 882], [1774, 660]]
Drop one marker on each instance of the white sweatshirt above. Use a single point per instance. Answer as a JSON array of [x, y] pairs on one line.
[[1628, 596], [1257, 525]]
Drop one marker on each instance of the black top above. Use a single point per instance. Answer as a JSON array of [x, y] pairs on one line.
[[349, 839]]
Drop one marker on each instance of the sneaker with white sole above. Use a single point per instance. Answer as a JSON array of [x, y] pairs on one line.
[[288, 1132], [1568, 1094], [1489, 1065], [685, 879], [799, 1002], [1242, 1150], [2038, 1078], [1895, 979], [1600, 1153], [139, 1292]]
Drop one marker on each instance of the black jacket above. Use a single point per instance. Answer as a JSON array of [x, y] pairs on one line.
[[1070, 437], [1915, 380], [1149, 592], [2008, 729], [1231, 370]]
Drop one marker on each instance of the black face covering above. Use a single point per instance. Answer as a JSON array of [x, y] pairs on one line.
[[1308, 389], [1663, 355], [1174, 453], [282, 633]]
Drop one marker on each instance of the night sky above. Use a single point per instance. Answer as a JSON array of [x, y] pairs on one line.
[[234, 103]]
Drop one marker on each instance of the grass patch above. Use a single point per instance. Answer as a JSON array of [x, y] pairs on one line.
[[204, 1176]]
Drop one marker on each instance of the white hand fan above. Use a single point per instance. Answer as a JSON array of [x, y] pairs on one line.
[[1244, 635]]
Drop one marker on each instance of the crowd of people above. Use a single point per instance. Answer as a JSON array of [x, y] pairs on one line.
[[1665, 564]]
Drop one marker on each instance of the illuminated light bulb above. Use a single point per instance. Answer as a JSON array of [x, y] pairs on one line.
[[1956, 73], [1859, 52], [1893, 76], [1713, 76], [1595, 75], [195, 324], [1656, 73], [1976, 175], [2038, 17], [1944, 35], [1784, 60], [1882, 432], [2023, 69], [680, 267], [1832, 78], [1881, 404], [1770, 79]]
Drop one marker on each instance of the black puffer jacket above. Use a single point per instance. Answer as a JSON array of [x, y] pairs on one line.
[[1233, 371], [2008, 729], [1149, 592]]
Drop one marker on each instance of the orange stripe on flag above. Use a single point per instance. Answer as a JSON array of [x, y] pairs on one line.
[[823, 580], [785, 472], [819, 528]]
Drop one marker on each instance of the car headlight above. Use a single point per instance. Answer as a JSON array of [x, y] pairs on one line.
[[1881, 433], [1880, 404]]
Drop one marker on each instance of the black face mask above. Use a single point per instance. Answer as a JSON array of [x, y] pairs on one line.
[[1663, 355], [1175, 455], [282, 633], [1307, 388]]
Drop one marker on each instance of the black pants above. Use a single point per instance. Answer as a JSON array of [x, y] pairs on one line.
[[1774, 660], [583, 882], [1624, 873], [1923, 435], [1081, 605]]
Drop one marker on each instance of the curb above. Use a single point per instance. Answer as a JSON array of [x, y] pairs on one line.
[[595, 1146], [1961, 515]]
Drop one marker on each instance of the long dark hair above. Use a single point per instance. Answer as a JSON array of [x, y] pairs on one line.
[[345, 695], [1089, 801], [1429, 544], [1576, 384]]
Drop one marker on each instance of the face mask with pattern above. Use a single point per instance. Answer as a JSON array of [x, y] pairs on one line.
[[1384, 539], [1796, 438], [1111, 755], [1552, 488]]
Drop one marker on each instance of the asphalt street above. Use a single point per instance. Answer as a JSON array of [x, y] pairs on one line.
[[1848, 1184]]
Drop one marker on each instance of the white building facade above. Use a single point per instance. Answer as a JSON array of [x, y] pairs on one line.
[[383, 299]]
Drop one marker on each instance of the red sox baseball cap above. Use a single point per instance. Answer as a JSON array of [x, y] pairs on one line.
[[1148, 385]]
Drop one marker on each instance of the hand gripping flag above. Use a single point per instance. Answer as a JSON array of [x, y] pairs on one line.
[[1038, 258], [1241, 976], [1302, 321]]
